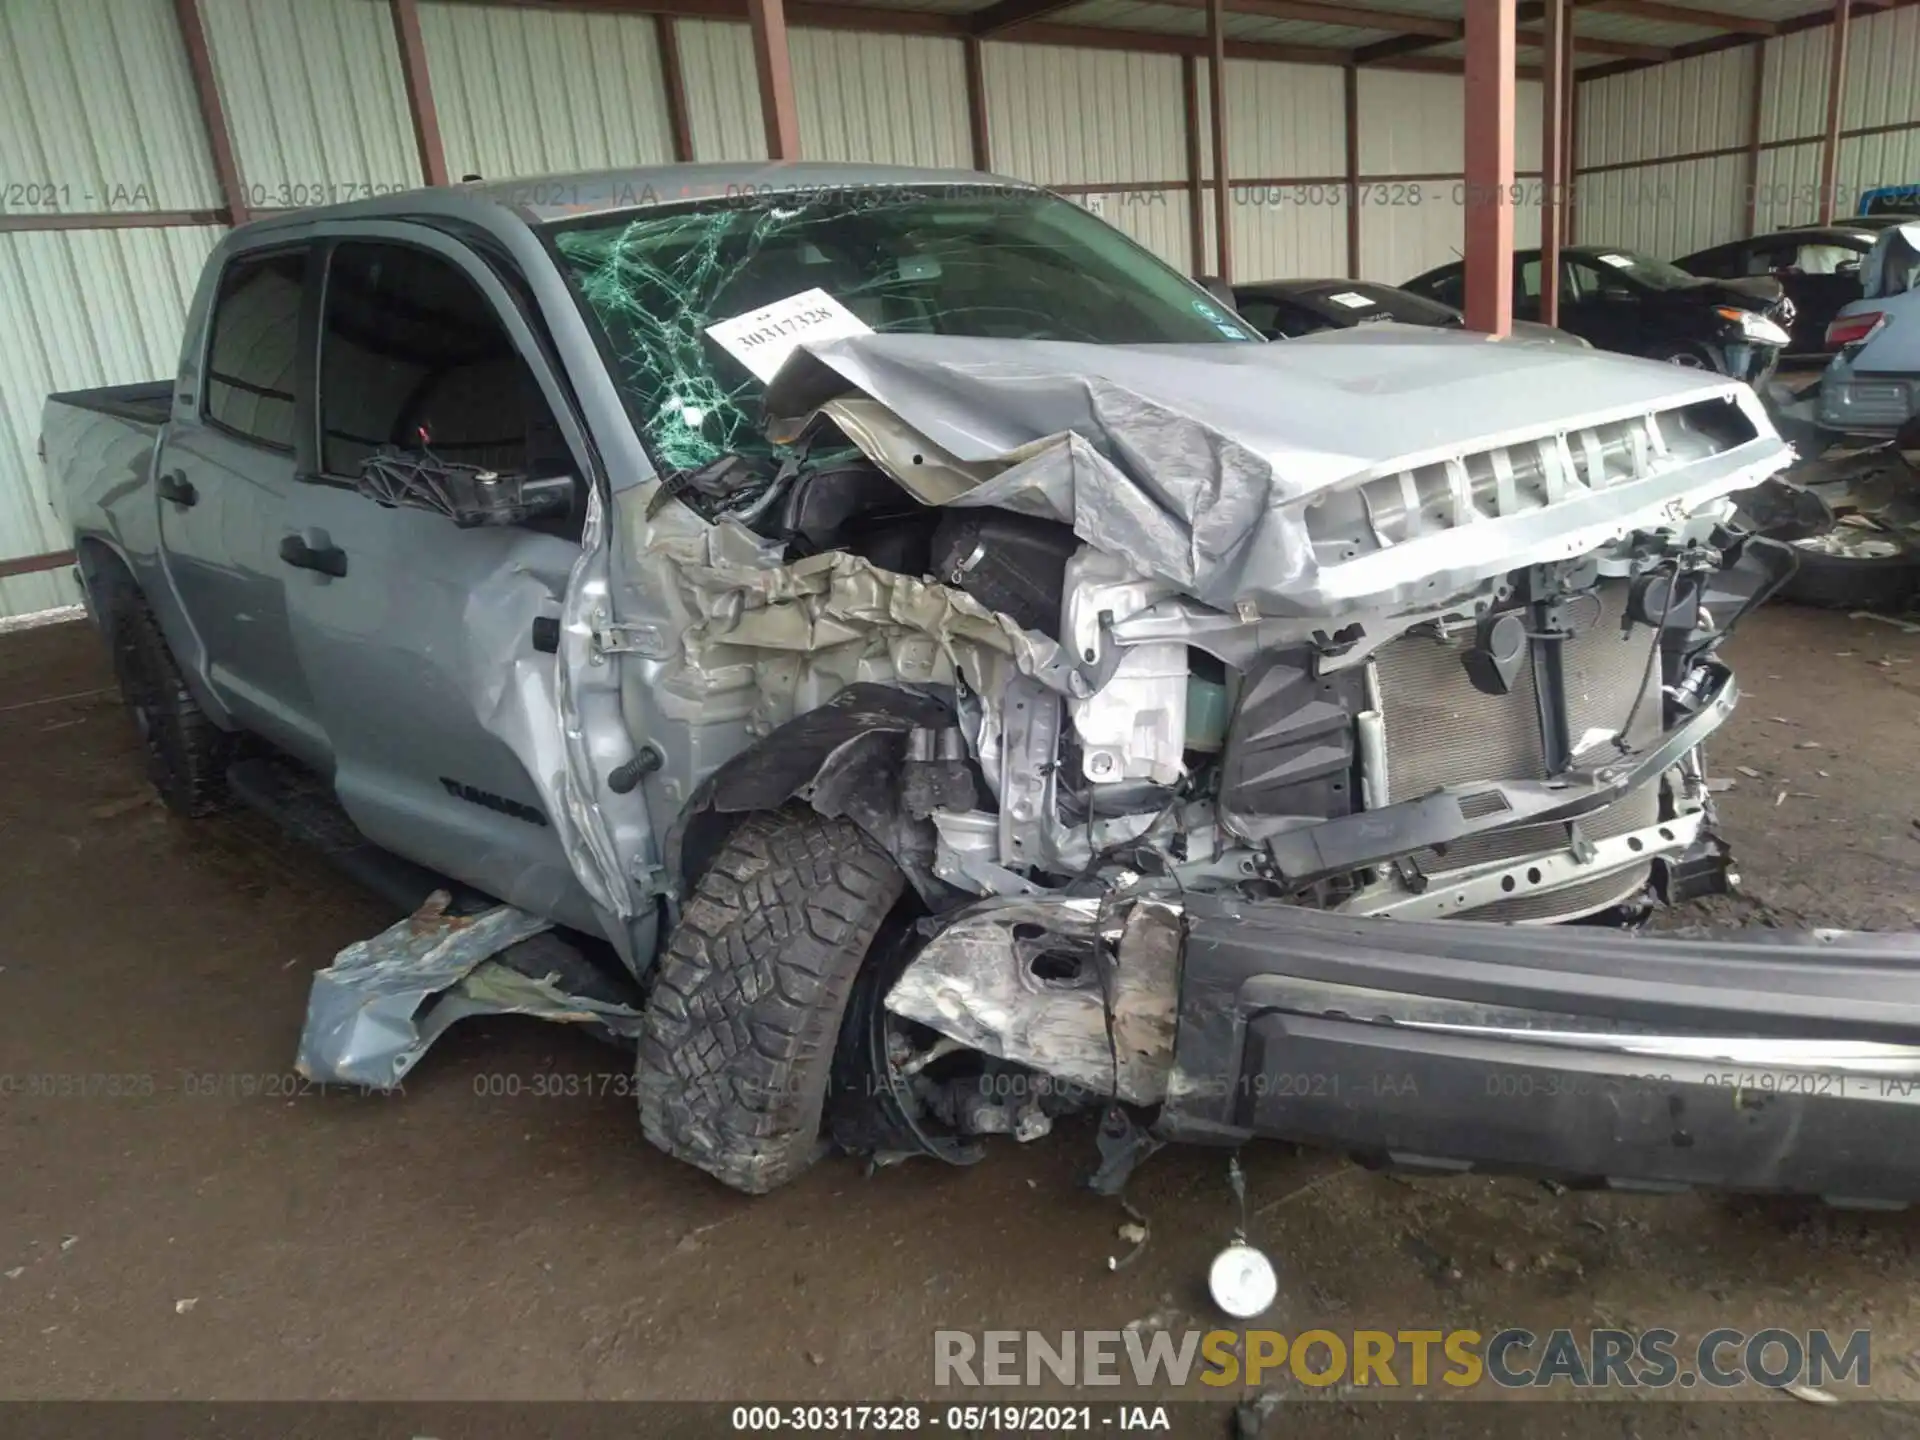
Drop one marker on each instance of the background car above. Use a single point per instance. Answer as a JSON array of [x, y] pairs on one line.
[[1287, 309], [1818, 267], [1634, 304], [1871, 389]]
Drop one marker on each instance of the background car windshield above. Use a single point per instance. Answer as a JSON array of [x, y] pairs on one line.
[[1654, 274], [1010, 264]]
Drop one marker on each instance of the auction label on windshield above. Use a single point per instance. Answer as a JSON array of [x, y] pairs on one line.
[[762, 340]]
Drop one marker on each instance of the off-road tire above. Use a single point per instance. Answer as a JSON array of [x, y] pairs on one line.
[[187, 754], [737, 1046]]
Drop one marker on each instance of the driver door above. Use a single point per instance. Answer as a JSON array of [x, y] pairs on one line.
[[1602, 307], [417, 636]]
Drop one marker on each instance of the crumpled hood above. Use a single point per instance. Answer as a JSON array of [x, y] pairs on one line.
[[1195, 461]]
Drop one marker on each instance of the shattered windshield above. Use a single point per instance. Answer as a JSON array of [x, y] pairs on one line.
[[1010, 264]]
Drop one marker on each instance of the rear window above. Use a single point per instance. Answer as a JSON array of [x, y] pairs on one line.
[[256, 322]]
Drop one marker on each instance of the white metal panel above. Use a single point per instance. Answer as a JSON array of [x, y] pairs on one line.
[[1063, 117], [884, 99], [107, 308], [1787, 191], [1277, 237], [1674, 109], [723, 92], [1883, 70], [1412, 123], [1796, 86], [314, 98], [526, 92], [97, 110], [1283, 121], [1665, 210], [1869, 161]]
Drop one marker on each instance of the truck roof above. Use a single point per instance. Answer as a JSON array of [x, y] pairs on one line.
[[545, 199]]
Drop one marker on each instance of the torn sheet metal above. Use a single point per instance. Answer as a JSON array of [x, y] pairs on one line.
[[1200, 462], [1025, 981], [374, 1012]]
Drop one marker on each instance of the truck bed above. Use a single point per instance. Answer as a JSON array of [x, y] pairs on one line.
[[145, 403]]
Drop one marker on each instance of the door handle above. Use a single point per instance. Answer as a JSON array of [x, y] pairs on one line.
[[327, 559], [176, 487]]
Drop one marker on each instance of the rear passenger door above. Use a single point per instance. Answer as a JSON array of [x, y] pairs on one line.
[[416, 635], [225, 472]]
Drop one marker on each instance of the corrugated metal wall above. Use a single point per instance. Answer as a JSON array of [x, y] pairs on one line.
[[881, 99], [314, 99], [1412, 157], [1672, 207], [525, 92], [1285, 123], [98, 115]]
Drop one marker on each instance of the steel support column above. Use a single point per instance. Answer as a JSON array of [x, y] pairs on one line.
[[982, 141], [1353, 171], [1489, 170], [213, 114], [1836, 103], [767, 19], [1756, 108], [1569, 134], [673, 80], [1196, 168], [1553, 168], [1217, 103], [413, 74]]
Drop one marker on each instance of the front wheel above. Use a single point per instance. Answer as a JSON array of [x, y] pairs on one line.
[[737, 1047]]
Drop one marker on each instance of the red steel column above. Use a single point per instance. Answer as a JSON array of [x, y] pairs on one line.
[[1196, 170], [1570, 138], [1352, 79], [981, 139], [413, 73], [1217, 98], [768, 21], [674, 81], [1756, 107], [1836, 101], [213, 114], [1489, 179], [1553, 168]]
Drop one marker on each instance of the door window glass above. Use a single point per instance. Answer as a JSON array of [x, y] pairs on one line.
[[256, 323], [413, 356]]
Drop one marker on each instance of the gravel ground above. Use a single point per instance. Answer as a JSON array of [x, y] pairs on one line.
[[195, 1224]]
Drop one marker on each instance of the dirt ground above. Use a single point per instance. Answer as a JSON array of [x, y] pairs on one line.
[[190, 1222]]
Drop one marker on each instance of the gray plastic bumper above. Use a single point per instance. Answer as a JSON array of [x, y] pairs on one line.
[[1749, 1060]]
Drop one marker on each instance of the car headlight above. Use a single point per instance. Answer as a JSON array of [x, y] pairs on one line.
[[1753, 326]]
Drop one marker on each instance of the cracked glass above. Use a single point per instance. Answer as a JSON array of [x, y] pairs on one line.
[[1001, 263]]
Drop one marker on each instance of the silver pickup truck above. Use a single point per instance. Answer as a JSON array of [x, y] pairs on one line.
[[960, 673]]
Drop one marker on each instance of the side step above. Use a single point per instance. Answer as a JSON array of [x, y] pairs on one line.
[[303, 805]]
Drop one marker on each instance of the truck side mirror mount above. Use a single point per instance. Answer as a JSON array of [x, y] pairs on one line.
[[468, 495]]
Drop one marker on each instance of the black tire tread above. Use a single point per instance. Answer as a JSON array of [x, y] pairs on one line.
[[737, 1046], [187, 754], [1885, 583]]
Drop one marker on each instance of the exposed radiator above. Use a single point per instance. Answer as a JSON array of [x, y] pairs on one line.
[[1442, 731]]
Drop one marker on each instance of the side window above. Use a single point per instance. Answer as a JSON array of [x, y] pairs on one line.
[[412, 355], [1767, 259], [256, 323], [1261, 313], [1449, 288], [1721, 264]]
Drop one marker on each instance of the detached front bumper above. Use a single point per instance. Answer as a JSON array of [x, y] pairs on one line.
[[1747, 1060]]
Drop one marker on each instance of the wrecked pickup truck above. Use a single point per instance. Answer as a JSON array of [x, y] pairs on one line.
[[961, 673]]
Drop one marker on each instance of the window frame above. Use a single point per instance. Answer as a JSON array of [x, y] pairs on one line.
[[458, 254], [203, 408]]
